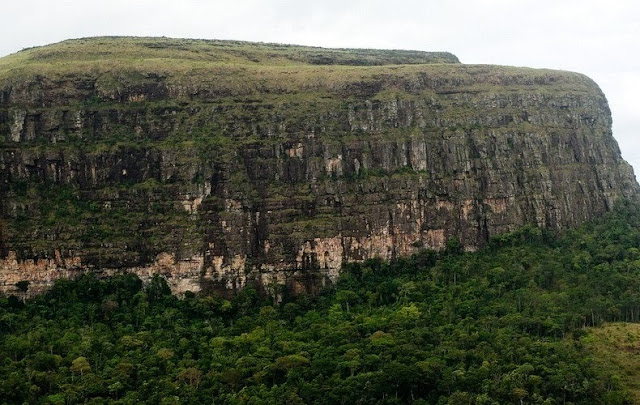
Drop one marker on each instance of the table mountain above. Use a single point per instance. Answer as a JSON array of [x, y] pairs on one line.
[[221, 163]]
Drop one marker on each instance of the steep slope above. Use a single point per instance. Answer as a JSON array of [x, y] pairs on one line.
[[217, 163]]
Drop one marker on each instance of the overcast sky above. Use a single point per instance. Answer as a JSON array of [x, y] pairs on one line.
[[598, 38]]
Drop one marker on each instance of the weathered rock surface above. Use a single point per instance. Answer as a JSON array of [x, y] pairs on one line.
[[222, 163]]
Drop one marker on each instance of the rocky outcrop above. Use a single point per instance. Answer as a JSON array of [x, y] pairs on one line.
[[277, 167]]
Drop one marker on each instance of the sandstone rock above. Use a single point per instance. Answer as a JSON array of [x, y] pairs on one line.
[[218, 174]]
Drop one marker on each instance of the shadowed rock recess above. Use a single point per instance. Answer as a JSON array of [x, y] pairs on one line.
[[222, 163]]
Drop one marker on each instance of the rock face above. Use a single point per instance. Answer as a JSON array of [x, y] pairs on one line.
[[221, 163]]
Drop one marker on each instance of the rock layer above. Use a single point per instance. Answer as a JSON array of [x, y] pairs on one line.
[[221, 163]]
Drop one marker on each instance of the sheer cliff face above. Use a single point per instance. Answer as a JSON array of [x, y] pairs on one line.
[[222, 163]]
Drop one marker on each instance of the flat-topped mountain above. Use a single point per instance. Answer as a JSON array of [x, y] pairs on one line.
[[219, 163]]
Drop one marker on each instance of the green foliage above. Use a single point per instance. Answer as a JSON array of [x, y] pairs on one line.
[[505, 325], [112, 234]]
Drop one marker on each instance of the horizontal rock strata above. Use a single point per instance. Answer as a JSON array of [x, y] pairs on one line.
[[220, 164]]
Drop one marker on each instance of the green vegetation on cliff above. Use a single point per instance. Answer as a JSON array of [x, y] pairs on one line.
[[509, 324], [118, 150], [97, 71], [132, 49]]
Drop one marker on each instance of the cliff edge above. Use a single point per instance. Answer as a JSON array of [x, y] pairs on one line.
[[218, 163]]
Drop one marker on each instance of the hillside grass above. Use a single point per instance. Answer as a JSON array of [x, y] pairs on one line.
[[245, 67], [165, 54], [615, 348], [133, 48]]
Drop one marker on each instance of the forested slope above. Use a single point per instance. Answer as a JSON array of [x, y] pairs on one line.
[[503, 325]]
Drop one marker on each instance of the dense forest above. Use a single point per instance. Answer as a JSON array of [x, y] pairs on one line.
[[504, 325]]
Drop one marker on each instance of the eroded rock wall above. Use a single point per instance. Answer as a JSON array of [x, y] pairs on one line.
[[216, 188]]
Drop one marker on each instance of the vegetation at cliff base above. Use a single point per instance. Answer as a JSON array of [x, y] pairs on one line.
[[519, 322]]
